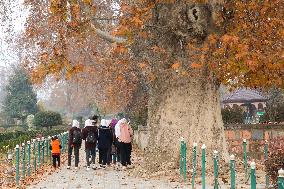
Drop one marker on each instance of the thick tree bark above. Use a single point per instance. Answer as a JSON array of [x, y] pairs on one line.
[[189, 109]]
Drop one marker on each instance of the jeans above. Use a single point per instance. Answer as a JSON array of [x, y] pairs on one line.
[[117, 145], [54, 159], [90, 153], [125, 153], [76, 153], [103, 156], [109, 156]]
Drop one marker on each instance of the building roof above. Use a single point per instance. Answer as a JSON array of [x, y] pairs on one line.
[[244, 96]]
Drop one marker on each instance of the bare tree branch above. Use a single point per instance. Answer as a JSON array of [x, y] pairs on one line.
[[108, 37]]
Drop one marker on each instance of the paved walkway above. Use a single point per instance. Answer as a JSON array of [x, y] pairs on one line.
[[99, 179], [108, 178]]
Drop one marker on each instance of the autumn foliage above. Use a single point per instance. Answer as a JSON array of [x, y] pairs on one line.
[[275, 159], [241, 44]]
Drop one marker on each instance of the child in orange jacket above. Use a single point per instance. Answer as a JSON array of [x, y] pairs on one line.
[[55, 150]]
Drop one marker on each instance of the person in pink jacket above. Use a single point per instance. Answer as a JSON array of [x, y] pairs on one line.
[[125, 139]]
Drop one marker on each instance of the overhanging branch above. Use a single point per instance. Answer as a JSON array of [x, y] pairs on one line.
[[108, 37]]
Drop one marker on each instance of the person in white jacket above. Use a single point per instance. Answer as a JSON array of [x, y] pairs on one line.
[[117, 143]]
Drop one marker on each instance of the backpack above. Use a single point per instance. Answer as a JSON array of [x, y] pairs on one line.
[[76, 137], [91, 137]]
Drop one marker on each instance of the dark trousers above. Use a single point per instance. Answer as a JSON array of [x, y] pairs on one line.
[[103, 156], [117, 146], [109, 156], [125, 153], [90, 153], [54, 159], [76, 154]]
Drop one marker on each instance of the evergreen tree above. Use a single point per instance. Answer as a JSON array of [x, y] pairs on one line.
[[21, 99]]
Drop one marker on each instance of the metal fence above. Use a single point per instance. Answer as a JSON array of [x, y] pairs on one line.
[[250, 172], [29, 157]]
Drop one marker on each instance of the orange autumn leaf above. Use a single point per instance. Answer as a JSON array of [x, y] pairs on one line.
[[88, 2], [120, 49], [195, 65], [176, 65], [120, 77], [142, 65]]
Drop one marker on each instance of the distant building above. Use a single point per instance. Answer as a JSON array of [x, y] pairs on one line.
[[252, 102]]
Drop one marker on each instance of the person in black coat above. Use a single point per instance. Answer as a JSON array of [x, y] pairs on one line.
[[104, 142], [74, 143]]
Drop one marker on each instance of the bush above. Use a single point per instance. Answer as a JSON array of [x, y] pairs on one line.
[[47, 119], [275, 159], [10, 139], [232, 115]]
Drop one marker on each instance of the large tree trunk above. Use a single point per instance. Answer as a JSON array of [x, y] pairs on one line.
[[188, 108]]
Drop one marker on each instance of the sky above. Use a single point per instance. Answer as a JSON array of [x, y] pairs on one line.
[[18, 14]]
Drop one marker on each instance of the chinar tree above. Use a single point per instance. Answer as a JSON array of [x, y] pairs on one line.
[[178, 51], [20, 100]]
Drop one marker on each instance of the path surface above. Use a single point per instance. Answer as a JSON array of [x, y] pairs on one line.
[[108, 178]]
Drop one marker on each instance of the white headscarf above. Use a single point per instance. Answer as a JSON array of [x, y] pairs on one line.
[[123, 121], [104, 122], [108, 122], [75, 123], [117, 129], [89, 122]]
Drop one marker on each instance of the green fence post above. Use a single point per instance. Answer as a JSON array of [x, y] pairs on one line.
[[38, 152], [49, 152], [42, 149], [34, 154], [17, 164], [233, 171], [29, 158], [245, 157], [203, 166], [216, 169], [252, 176], [183, 159], [46, 148], [23, 161], [265, 158], [194, 164], [281, 179], [66, 141], [63, 138]]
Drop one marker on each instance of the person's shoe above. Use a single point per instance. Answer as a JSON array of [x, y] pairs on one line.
[[124, 168], [130, 166], [102, 166], [94, 167], [118, 164], [68, 167], [76, 168], [88, 168]]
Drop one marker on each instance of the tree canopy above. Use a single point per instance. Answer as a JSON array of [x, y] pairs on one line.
[[20, 100], [240, 42]]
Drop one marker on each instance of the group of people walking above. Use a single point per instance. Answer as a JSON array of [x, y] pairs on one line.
[[112, 138]]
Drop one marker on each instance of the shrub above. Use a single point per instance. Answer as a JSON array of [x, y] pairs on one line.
[[10, 139], [275, 159], [47, 119], [232, 115]]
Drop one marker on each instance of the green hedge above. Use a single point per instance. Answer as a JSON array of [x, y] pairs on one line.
[[10, 139], [232, 115], [47, 119]]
